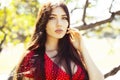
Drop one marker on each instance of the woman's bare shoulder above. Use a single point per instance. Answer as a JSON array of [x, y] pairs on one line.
[[26, 78]]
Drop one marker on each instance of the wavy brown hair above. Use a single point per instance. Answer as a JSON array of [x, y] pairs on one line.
[[66, 51]]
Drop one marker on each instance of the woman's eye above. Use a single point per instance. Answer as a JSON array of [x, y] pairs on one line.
[[51, 18], [65, 18]]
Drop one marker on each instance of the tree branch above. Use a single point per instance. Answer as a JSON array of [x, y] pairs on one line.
[[84, 12], [111, 6], [92, 25], [1, 28], [74, 9], [112, 72], [2, 40]]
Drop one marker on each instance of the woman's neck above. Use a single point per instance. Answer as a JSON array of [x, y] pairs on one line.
[[51, 44]]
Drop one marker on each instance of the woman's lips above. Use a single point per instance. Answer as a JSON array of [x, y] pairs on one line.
[[59, 31]]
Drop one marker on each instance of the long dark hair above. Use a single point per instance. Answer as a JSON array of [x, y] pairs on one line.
[[66, 51]]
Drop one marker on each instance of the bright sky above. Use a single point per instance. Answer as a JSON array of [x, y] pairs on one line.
[[4, 3]]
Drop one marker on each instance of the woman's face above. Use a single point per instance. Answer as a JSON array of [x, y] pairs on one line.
[[57, 24]]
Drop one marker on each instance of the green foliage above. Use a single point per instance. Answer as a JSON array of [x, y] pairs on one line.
[[18, 20], [67, 1], [1, 35]]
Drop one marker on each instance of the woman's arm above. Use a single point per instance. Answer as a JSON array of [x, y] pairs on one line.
[[93, 71], [77, 41]]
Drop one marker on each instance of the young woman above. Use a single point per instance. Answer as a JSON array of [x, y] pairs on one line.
[[56, 52]]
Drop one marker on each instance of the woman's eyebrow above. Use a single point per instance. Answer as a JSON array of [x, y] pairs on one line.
[[56, 15], [64, 15]]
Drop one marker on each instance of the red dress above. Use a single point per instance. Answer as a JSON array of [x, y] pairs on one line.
[[52, 70]]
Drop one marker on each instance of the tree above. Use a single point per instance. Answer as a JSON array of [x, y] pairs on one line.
[[92, 26], [17, 21]]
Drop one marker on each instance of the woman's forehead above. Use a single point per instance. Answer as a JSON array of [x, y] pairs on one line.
[[58, 10]]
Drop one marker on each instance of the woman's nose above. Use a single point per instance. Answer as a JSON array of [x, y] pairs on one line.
[[59, 22]]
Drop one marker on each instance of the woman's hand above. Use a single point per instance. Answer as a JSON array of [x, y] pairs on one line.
[[75, 37]]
